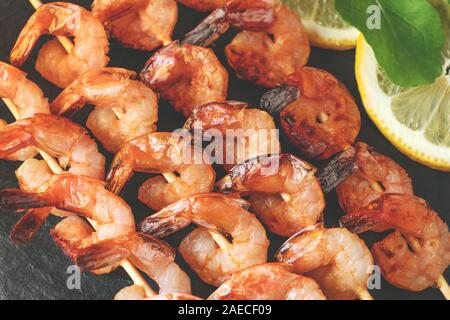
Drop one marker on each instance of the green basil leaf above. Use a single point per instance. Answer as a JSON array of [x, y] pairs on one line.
[[408, 41]]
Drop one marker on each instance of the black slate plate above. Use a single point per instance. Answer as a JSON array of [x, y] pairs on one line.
[[38, 270]]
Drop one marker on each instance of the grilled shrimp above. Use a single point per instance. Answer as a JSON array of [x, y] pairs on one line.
[[292, 177], [125, 108], [323, 120], [115, 238], [230, 117], [152, 256], [203, 5], [418, 252], [79, 194], [54, 63], [270, 281], [219, 213], [162, 152], [377, 175], [186, 75], [273, 45], [269, 55], [26, 96], [58, 136], [337, 259], [138, 24]]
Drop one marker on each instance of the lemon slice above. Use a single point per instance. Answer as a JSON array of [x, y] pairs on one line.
[[326, 28], [416, 120]]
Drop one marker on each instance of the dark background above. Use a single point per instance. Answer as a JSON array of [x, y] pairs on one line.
[[38, 270]]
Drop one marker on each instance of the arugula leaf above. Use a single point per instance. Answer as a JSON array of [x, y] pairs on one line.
[[409, 42]]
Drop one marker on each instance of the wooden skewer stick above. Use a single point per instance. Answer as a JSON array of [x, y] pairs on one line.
[[221, 241], [66, 43], [323, 117], [55, 167], [285, 197], [364, 295], [441, 284]]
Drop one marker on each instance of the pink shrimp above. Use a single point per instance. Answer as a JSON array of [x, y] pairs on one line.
[[162, 152], [186, 75], [58, 136], [418, 252], [26, 96], [213, 263], [54, 63], [125, 107], [377, 175], [138, 24]]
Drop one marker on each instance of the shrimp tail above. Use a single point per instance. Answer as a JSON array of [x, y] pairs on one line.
[[23, 47], [161, 225], [277, 99], [69, 248], [19, 199], [12, 139], [28, 225], [67, 103], [110, 253], [359, 222], [104, 254], [121, 171], [338, 169], [209, 30]]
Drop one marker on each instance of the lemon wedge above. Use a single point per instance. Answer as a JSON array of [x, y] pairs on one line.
[[326, 29], [415, 120]]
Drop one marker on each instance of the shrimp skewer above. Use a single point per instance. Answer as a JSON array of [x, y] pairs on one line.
[[54, 63], [318, 114], [115, 238], [54, 166], [213, 264], [186, 75], [292, 177], [301, 187], [162, 152], [121, 102], [336, 258], [413, 257], [59, 137], [128, 267], [23, 98], [377, 177], [273, 45]]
